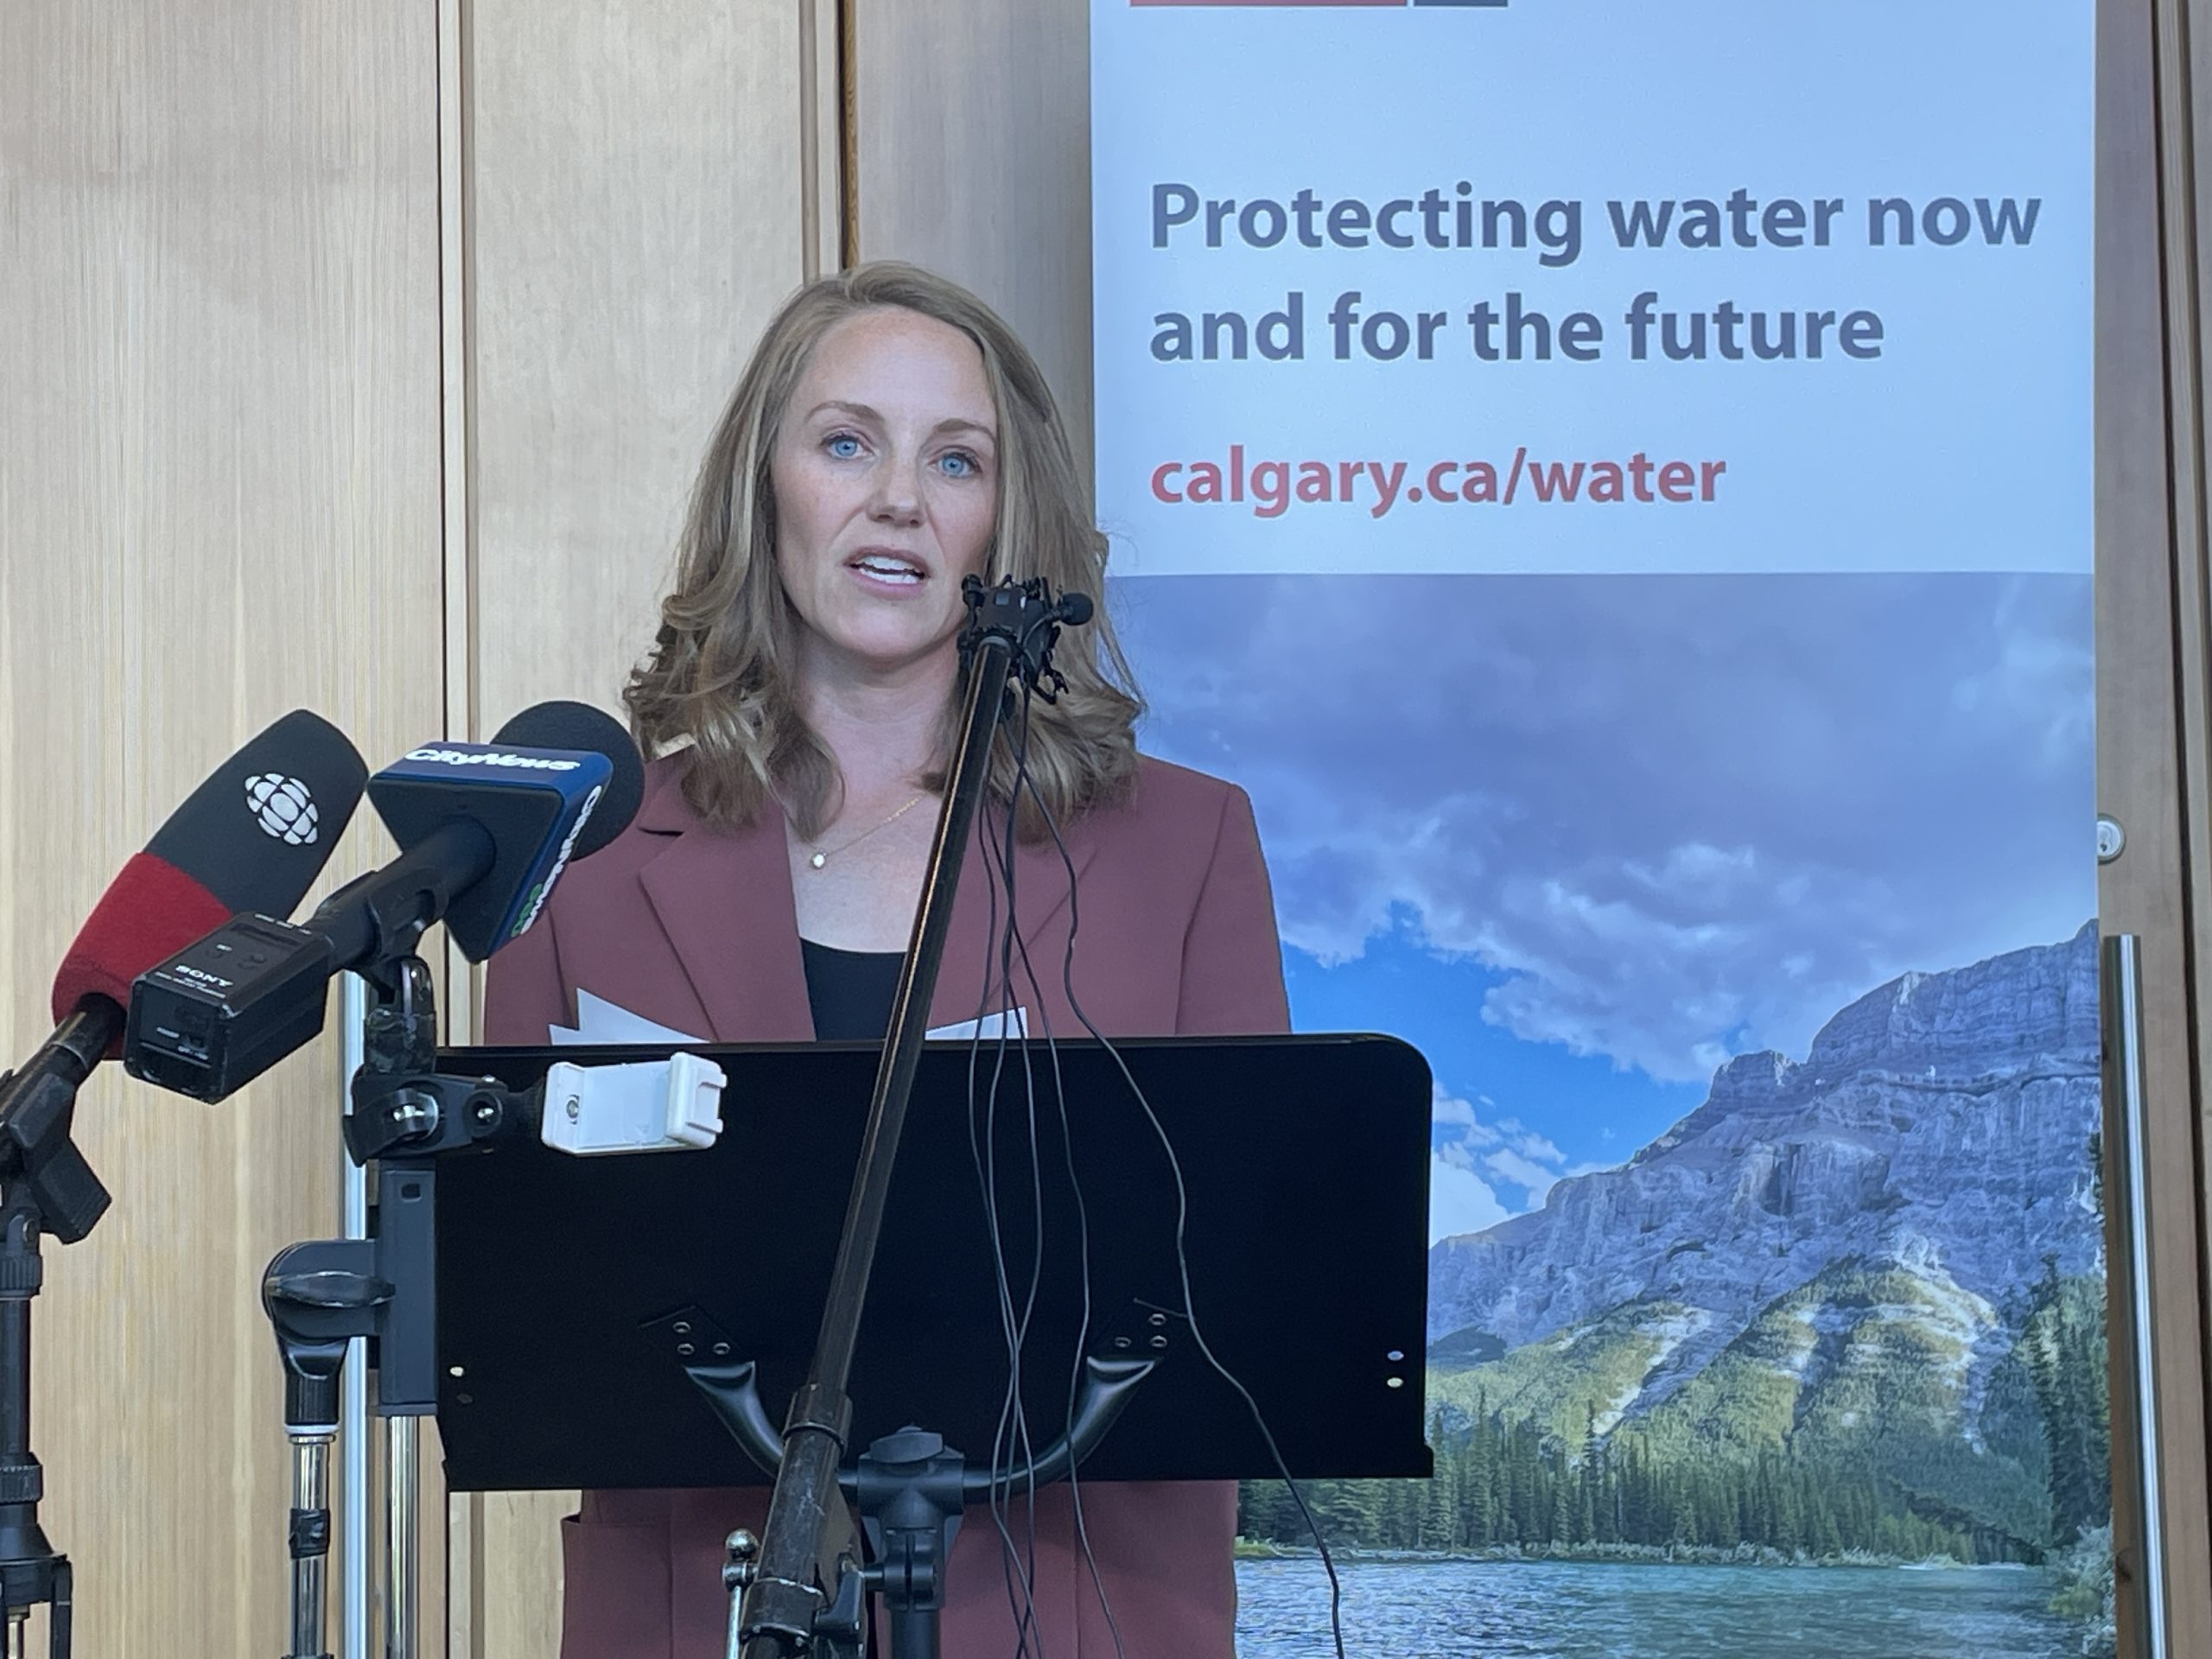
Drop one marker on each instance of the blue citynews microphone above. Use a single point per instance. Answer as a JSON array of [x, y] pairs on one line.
[[483, 830], [495, 824]]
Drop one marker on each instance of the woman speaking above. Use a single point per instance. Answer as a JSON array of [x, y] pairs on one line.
[[890, 437]]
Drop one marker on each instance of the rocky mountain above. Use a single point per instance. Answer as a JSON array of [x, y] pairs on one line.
[[1833, 1255]]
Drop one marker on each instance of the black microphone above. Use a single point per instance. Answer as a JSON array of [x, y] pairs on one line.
[[483, 830], [1029, 617], [253, 836]]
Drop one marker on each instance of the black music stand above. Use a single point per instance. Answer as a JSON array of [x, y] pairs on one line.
[[1305, 1159]]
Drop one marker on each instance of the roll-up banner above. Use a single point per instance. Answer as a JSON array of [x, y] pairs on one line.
[[1614, 484]]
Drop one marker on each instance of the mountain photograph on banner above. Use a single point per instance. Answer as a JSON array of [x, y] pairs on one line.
[[1747, 924], [1797, 1320]]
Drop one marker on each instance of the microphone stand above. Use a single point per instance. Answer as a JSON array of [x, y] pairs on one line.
[[803, 1565], [45, 1185], [320, 1294]]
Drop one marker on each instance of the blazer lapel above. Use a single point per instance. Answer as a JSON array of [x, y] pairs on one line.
[[724, 899]]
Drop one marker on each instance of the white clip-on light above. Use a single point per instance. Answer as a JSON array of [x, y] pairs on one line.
[[670, 1105]]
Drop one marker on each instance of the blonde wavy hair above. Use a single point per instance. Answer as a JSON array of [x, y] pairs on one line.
[[719, 677]]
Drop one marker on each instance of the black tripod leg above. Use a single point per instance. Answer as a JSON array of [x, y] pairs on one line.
[[57, 1640]]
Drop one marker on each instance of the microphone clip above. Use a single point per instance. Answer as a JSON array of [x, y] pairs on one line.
[[1029, 617]]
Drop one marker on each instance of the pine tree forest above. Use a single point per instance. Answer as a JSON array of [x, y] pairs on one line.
[[1514, 1485]]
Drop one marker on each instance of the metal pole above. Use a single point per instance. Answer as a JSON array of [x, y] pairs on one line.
[[403, 1541], [777, 1614], [311, 1591], [2123, 1021], [354, 1380]]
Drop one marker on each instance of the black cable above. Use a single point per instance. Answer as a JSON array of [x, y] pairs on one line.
[[1182, 1257], [1012, 1434], [1074, 1185], [1020, 1589], [1004, 847], [1020, 1579]]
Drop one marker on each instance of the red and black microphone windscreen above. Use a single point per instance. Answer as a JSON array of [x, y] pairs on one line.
[[150, 912], [251, 839]]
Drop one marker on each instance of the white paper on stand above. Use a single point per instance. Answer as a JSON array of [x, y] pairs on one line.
[[602, 1023]]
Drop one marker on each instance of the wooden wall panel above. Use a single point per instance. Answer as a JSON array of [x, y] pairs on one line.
[[219, 415], [2138, 756], [974, 130], [645, 183], [2154, 746], [636, 208]]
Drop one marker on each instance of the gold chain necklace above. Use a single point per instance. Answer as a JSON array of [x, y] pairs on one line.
[[818, 860]]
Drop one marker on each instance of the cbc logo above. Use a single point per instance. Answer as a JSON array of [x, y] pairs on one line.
[[282, 807]]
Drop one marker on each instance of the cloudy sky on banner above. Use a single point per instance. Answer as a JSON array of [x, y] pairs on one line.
[[1691, 815], [1650, 822]]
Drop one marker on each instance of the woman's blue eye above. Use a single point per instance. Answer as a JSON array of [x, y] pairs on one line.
[[961, 464], [843, 445]]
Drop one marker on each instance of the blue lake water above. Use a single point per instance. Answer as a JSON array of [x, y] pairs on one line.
[[1573, 1609]]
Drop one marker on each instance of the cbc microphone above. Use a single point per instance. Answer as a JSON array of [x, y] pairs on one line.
[[483, 831], [252, 837]]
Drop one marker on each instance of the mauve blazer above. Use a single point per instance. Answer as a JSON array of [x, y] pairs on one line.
[[695, 929]]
